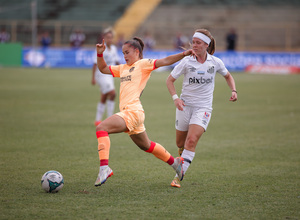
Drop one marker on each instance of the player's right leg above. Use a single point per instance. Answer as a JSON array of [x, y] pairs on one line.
[[176, 182], [182, 126], [113, 124], [188, 154], [180, 140]]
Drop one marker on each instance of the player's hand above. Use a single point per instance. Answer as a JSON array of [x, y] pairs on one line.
[[233, 97], [93, 81], [189, 52], [179, 104], [100, 47]]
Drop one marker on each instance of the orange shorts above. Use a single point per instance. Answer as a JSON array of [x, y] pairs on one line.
[[134, 120]]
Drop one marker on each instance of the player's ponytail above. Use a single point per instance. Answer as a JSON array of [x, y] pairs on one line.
[[140, 42], [137, 43], [212, 46]]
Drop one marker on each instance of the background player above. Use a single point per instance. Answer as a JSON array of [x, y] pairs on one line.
[[133, 79], [106, 82], [194, 107]]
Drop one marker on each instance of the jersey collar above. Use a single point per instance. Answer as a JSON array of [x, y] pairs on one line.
[[208, 57]]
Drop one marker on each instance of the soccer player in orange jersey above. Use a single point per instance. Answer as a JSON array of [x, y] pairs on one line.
[[133, 79]]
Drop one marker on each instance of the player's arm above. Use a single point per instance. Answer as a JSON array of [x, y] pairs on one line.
[[231, 83], [93, 74], [169, 60], [102, 66], [177, 101]]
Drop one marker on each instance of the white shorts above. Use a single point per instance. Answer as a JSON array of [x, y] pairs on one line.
[[192, 115], [105, 81]]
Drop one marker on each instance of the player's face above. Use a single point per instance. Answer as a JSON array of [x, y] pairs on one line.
[[108, 38], [131, 55], [199, 46]]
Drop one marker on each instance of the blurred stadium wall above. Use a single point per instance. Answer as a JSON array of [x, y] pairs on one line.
[[261, 25]]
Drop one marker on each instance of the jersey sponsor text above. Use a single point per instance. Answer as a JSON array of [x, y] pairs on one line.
[[200, 80], [125, 78]]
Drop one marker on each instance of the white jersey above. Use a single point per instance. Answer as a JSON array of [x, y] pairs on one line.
[[110, 56], [199, 80], [106, 81]]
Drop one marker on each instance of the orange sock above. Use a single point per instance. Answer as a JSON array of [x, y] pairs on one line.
[[103, 147], [161, 153]]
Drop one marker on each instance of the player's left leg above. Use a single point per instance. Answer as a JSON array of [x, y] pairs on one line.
[[144, 143]]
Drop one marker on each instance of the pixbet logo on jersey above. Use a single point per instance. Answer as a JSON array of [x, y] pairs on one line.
[[200, 80]]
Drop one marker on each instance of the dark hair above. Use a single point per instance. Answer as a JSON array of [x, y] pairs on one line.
[[212, 46], [136, 43]]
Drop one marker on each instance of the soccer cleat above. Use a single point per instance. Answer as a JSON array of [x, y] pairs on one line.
[[103, 175], [177, 166], [180, 150], [97, 123], [176, 182]]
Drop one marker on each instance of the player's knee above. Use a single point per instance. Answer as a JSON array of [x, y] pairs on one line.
[[112, 95], [191, 142], [103, 99]]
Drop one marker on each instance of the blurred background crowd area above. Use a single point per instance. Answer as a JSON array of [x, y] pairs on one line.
[[242, 25]]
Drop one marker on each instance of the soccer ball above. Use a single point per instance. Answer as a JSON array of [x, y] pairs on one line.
[[52, 181]]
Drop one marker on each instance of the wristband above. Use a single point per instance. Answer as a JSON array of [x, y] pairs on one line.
[[183, 53], [100, 55], [234, 91], [175, 97]]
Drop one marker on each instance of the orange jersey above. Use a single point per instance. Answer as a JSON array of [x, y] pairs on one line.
[[133, 80]]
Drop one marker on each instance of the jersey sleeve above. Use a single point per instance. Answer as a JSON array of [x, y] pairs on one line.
[[115, 70], [221, 67], [179, 69], [149, 64]]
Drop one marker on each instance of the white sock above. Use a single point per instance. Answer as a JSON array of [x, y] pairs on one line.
[[100, 111], [110, 105], [188, 157]]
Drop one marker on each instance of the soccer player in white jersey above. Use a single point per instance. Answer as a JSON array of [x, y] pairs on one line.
[[194, 107], [106, 82]]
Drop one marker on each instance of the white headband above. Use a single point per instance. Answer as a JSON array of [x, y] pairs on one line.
[[202, 37]]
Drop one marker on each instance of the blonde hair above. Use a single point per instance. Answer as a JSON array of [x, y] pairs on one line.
[[212, 46], [108, 30]]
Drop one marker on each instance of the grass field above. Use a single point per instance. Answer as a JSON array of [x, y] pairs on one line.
[[247, 164]]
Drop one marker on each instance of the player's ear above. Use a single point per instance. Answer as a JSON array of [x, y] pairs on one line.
[[136, 50]]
